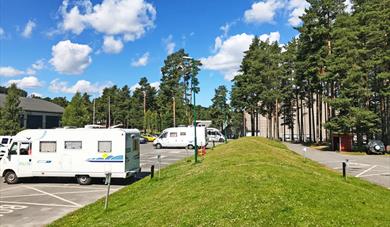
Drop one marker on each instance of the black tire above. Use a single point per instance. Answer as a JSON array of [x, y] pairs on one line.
[[190, 146], [158, 146], [11, 178], [84, 180]]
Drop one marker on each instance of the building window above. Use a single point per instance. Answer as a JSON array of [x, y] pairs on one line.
[[72, 145], [173, 134], [104, 146], [47, 146]]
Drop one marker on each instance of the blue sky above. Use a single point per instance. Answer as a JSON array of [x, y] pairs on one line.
[[55, 48]]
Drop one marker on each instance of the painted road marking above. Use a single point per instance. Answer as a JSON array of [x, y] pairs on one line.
[[57, 197], [7, 209], [376, 174], [365, 171], [40, 204], [58, 193]]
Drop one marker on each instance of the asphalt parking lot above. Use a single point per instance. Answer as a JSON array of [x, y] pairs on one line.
[[373, 168], [36, 202]]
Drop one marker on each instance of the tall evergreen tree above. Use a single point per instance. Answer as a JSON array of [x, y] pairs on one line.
[[10, 113], [77, 113]]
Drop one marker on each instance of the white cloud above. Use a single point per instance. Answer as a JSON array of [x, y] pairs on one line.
[[271, 37], [229, 57], [28, 29], [80, 86], [70, 58], [217, 43], [129, 18], [2, 33], [169, 44], [26, 82], [142, 61], [156, 85], [37, 65], [9, 71], [263, 11], [348, 6], [111, 45], [36, 94], [297, 9]]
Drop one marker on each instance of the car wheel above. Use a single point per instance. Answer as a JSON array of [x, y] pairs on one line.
[[84, 180], [158, 146], [11, 178]]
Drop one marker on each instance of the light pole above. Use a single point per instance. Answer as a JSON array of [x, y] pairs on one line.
[[225, 119], [194, 107]]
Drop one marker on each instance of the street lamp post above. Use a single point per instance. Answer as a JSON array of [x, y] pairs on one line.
[[225, 119], [194, 109]]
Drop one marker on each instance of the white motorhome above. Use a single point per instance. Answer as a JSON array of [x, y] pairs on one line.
[[181, 137], [214, 135], [83, 153]]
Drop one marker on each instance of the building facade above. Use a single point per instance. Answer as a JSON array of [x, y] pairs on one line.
[[37, 113]]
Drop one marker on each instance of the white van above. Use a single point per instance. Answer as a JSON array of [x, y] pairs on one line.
[[181, 137], [215, 135], [83, 153]]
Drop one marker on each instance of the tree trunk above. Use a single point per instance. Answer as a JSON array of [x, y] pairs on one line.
[[298, 118]]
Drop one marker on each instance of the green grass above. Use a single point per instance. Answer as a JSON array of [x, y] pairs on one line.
[[248, 182]]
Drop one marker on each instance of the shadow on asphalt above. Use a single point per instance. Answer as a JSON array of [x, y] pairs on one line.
[[72, 180]]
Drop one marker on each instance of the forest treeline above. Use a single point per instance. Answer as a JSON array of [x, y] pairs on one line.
[[338, 70]]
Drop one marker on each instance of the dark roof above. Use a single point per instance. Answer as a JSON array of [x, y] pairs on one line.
[[38, 105]]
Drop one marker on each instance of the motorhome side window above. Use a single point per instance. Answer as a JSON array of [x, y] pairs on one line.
[[104, 146], [73, 145], [47, 146]]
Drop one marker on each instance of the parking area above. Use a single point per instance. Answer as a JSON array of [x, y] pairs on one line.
[[373, 168], [36, 202]]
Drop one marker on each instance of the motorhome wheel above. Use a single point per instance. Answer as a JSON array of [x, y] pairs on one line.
[[11, 178], [84, 180]]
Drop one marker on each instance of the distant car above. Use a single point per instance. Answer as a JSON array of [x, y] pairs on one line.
[[149, 138], [375, 147], [142, 140]]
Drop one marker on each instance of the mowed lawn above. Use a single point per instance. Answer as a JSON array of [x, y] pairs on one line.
[[247, 182]]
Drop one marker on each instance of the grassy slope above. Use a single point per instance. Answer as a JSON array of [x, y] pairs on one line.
[[251, 181]]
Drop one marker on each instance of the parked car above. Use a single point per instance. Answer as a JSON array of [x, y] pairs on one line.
[[149, 138], [142, 140], [375, 147]]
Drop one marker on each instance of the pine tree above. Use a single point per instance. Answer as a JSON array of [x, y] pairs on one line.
[[219, 108], [10, 113], [77, 113]]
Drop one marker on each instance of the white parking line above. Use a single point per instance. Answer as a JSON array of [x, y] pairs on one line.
[[58, 193], [376, 174], [39, 204], [365, 171], [57, 197]]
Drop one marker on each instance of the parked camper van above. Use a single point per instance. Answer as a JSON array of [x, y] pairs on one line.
[[181, 137], [83, 153], [214, 135]]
